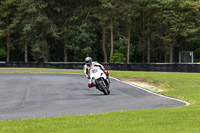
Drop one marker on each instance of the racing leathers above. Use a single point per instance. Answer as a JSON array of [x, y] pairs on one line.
[[87, 69]]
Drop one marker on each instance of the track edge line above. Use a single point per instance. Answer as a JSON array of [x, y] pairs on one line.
[[186, 103]]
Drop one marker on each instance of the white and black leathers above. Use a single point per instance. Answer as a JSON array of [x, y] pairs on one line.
[[87, 68]]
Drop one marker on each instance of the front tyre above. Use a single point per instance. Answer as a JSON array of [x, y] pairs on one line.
[[108, 92], [103, 89]]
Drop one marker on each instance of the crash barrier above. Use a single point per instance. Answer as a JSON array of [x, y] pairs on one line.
[[156, 67]]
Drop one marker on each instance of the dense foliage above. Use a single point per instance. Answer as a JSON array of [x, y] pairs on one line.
[[107, 30]]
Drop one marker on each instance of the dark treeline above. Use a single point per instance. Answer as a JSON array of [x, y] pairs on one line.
[[126, 31]]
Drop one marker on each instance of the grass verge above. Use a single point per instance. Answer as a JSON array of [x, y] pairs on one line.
[[184, 86]]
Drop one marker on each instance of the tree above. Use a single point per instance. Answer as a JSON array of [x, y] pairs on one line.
[[101, 14], [128, 12], [174, 21], [68, 30], [36, 21], [8, 22]]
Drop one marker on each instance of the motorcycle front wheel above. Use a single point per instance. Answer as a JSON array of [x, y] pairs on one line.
[[104, 89]]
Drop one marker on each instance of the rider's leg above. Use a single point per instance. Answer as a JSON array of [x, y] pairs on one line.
[[107, 75], [90, 84]]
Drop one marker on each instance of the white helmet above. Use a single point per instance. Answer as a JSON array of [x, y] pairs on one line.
[[88, 61]]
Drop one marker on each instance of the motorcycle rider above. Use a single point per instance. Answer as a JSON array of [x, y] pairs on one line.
[[90, 65]]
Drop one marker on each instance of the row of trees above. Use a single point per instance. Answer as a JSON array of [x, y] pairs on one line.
[[107, 30]]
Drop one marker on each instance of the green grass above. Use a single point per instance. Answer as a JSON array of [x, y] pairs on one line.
[[39, 70], [56, 72], [186, 119]]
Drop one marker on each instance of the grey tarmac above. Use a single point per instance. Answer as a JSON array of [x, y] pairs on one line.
[[49, 95]]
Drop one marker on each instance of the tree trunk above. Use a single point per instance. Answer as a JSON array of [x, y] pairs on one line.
[[65, 40], [148, 50], [26, 52], [160, 55], [8, 47], [8, 43], [171, 54], [166, 57], [172, 50], [43, 48], [143, 43], [149, 43], [111, 39], [104, 42], [128, 41], [65, 53], [46, 51]]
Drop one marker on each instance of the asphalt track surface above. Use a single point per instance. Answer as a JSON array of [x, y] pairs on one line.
[[50, 95]]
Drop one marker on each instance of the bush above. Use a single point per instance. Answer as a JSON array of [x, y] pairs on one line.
[[118, 58], [197, 55]]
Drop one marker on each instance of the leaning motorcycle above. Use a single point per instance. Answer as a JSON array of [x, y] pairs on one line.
[[99, 80]]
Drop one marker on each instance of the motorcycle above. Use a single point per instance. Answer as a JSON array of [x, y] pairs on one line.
[[99, 80]]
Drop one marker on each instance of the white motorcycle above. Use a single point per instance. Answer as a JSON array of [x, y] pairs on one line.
[[99, 79]]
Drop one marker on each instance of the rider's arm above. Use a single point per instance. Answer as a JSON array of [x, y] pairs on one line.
[[99, 65], [85, 69]]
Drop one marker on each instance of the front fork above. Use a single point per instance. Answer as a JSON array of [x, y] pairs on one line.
[[105, 82]]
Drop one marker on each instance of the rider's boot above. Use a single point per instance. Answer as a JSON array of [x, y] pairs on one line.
[[108, 79], [107, 75], [90, 85]]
